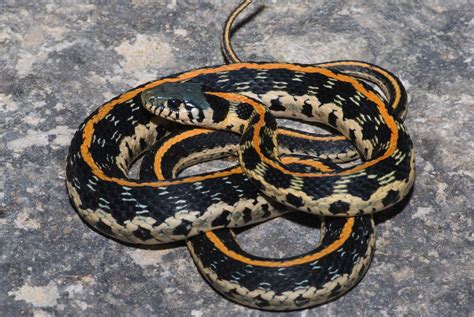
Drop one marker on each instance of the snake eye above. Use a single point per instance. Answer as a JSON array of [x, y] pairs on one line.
[[173, 103]]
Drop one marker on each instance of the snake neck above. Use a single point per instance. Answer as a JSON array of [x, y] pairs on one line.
[[249, 118]]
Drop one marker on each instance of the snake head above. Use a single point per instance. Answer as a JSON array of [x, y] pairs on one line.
[[181, 102]]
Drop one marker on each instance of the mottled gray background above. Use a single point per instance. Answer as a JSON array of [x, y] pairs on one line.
[[61, 59]]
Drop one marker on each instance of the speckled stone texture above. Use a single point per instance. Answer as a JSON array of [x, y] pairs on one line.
[[62, 59]]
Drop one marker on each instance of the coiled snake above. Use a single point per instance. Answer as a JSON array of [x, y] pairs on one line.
[[245, 98]]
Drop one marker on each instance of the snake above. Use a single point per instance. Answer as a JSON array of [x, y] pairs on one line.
[[329, 270], [242, 97]]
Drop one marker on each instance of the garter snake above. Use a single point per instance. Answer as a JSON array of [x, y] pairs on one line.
[[149, 211]]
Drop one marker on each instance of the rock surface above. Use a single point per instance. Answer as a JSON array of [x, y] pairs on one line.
[[62, 59]]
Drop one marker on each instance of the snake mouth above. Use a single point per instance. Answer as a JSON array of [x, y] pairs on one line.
[[153, 103]]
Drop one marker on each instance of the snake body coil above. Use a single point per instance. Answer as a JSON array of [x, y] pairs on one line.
[[329, 270], [244, 98]]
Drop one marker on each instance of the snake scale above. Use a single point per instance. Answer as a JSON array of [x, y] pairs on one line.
[[287, 167]]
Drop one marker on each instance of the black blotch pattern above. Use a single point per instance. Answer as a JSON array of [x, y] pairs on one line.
[[368, 130], [363, 187], [247, 214], [260, 302], [183, 228], [247, 135], [266, 211], [392, 197], [267, 146], [307, 110], [338, 207], [270, 121], [335, 291], [276, 105], [332, 119], [244, 111], [295, 201], [142, 233], [352, 135], [251, 158], [278, 178], [222, 220], [301, 301], [143, 145], [220, 110], [102, 227], [326, 95]]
